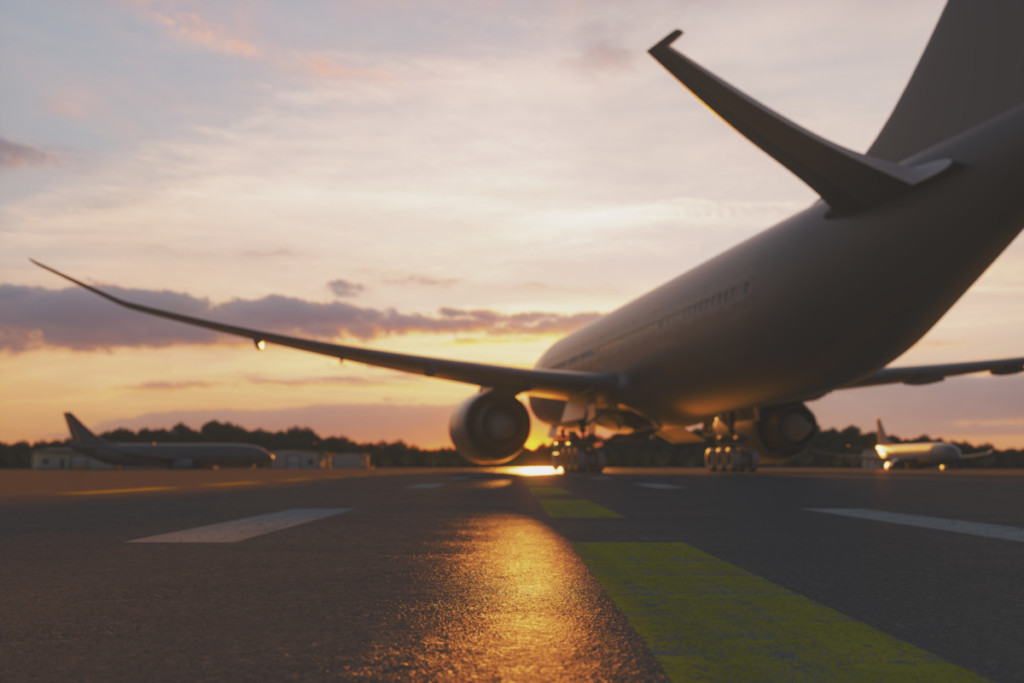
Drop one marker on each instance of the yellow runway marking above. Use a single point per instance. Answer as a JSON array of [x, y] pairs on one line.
[[576, 508], [103, 492], [548, 491], [233, 483], [707, 620], [298, 479]]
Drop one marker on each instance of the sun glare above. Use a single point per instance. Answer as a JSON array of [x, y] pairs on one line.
[[532, 470]]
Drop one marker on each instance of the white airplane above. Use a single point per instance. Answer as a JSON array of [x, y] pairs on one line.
[[166, 454], [741, 342], [888, 454]]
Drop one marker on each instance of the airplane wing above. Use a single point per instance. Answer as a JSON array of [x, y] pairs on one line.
[[979, 454], [927, 374], [553, 383]]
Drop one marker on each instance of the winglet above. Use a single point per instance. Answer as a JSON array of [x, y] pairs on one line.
[[847, 181]]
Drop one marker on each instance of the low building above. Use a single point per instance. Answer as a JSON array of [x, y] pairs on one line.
[[64, 458], [319, 460], [350, 461]]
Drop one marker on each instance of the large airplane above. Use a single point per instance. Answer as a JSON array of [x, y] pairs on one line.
[[888, 454], [184, 454], [740, 343]]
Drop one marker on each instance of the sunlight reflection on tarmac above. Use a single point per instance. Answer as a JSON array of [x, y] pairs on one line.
[[512, 601]]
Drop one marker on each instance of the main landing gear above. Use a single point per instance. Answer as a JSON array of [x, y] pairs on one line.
[[575, 453], [731, 457]]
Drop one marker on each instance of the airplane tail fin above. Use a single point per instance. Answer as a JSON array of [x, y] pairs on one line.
[[971, 70], [79, 432], [882, 437]]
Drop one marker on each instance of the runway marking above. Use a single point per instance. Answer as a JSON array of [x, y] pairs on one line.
[[297, 479], [241, 529], [104, 492], [233, 483], [548, 491], [428, 485], [576, 508], [707, 620], [655, 485], [1000, 531]]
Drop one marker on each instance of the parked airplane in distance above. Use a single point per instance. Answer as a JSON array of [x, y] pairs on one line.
[[166, 454], [743, 341], [888, 454]]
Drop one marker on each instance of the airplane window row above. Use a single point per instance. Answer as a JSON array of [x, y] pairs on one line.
[[673, 319]]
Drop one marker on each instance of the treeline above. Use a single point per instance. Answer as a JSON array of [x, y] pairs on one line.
[[830, 448], [382, 453]]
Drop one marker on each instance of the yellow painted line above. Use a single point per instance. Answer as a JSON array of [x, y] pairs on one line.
[[297, 479], [707, 620], [233, 483], [104, 492], [548, 491], [576, 508]]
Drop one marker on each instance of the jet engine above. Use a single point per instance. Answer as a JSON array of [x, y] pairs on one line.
[[490, 428], [779, 430]]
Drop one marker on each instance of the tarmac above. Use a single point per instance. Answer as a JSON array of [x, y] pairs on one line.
[[506, 574]]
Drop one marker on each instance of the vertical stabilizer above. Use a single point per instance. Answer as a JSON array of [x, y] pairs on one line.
[[972, 70], [882, 437], [80, 434]]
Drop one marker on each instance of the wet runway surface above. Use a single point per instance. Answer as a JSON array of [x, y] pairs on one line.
[[490, 575]]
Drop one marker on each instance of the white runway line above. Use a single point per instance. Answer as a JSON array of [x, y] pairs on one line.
[[241, 529], [653, 485], [1000, 531], [424, 486]]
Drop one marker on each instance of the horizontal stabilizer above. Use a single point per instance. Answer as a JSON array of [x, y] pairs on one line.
[[928, 374], [847, 181]]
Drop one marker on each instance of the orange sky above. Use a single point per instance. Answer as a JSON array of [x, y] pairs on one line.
[[460, 179]]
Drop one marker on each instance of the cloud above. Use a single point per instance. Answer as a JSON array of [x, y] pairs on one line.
[[190, 28], [344, 288], [13, 155], [164, 386], [345, 380], [603, 57], [423, 281], [75, 319], [326, 67]]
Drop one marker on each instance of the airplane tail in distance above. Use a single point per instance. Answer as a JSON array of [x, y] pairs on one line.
[[970, 72], [880, 431], [79, 432]]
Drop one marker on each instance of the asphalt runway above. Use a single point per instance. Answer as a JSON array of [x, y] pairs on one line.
[[491, 575]]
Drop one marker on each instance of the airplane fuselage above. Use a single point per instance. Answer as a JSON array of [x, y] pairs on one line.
[[916, 454], [816, 301], [178, 454]]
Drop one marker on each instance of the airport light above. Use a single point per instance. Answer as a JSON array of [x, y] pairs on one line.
[[260, 344]]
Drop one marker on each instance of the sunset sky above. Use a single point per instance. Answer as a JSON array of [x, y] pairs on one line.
[[461, 179]]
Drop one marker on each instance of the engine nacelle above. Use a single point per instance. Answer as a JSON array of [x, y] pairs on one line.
[[779, 430], [490, 428]]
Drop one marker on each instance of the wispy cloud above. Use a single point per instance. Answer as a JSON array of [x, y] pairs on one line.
[[72, 318], [329, 67], [13, 155], [191, 28], [171, 386], [423, 281]]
